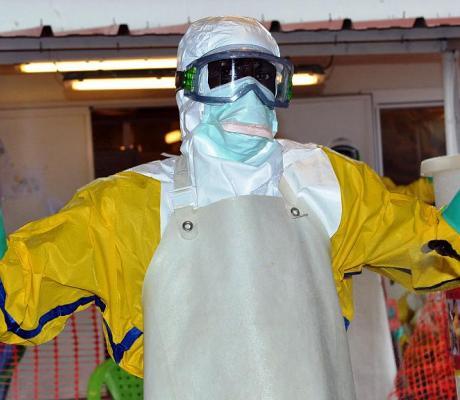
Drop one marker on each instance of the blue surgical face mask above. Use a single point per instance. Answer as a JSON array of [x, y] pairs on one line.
[[248, 111]]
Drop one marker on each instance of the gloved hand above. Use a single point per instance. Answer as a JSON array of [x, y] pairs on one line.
[[452, 213], [2, 236]]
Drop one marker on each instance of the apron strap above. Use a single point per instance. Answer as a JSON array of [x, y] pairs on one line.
[[184, 193], [181, 173], [184, 200]]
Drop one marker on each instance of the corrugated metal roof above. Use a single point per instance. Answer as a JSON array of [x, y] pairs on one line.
[[274, 26], [405, 23], [334, 37]]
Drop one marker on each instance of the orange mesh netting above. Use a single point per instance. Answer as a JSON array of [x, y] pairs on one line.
[[427, 370], [58, 369]]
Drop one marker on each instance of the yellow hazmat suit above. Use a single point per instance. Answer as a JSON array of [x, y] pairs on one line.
[[422, 188], [98, 247]]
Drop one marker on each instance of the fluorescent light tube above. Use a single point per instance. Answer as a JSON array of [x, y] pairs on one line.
[[123, 83], [99, 65], [173, 137], [306, 79]]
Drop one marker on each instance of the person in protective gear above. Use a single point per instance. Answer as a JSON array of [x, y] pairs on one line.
[[225, 269]]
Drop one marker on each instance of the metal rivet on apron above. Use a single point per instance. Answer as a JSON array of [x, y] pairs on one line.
[[295, 212], [187, 226]]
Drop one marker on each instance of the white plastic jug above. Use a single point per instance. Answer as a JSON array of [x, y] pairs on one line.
[[445, 171]]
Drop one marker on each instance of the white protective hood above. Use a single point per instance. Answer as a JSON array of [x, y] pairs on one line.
[[215, 178]]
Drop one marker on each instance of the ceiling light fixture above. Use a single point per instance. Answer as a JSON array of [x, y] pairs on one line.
[[308, 75], [99, 65], [173, 137], [123, 83], [305, 79]]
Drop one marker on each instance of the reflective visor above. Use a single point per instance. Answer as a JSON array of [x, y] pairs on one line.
[[226, 76], [225, 71]]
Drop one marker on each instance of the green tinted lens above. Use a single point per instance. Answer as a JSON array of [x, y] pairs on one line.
[[189, 78], [289, 90]]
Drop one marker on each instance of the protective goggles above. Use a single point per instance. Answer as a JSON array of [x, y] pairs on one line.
[[218, 78]]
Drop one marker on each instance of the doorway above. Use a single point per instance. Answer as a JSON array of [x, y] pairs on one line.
[[126, 137], [410, 134]]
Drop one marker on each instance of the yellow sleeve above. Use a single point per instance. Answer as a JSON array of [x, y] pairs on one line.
[[422, 188], [95, 250], [388, 232]]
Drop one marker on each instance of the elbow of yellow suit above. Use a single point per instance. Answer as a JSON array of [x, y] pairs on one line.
[[450, 216]]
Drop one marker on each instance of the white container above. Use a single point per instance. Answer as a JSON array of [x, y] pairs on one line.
[[445, 172]]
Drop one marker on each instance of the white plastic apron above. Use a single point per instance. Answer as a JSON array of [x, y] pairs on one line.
[[240, 304]]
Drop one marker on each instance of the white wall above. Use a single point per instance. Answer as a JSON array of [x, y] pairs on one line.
[[367, 78], [46, 155], [309, 120], [71, 14]]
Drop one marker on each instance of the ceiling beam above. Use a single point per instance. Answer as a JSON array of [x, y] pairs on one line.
[[296, 43]]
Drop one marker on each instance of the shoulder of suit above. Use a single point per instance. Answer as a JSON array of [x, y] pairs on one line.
[[295, 153], [126, 186], [160, 170]]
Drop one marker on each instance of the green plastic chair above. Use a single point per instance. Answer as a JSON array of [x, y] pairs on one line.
[[119, 384]]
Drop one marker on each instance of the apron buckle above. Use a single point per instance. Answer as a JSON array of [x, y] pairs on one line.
[[296, 213], [186, 222]]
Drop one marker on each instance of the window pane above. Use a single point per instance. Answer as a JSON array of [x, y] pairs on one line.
[[410, 135]]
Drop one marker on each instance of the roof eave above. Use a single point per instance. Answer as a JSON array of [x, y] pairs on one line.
[[294, 43]]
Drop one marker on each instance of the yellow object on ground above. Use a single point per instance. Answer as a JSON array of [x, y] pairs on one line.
[[98, 247]]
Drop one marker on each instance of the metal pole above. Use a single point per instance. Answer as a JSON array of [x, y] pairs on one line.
[[451, 101]]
